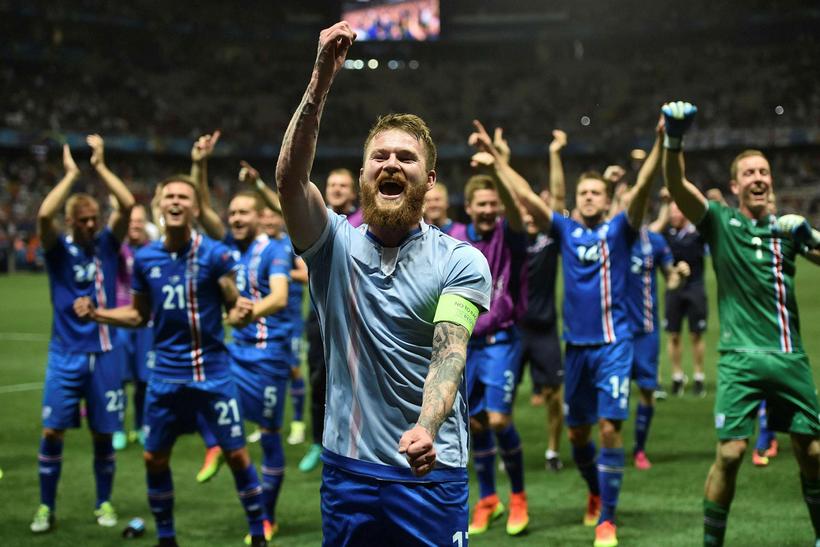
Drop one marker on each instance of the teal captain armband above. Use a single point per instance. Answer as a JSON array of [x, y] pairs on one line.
[[456, 309]]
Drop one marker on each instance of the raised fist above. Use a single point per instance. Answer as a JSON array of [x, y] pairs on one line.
[[678, 117]]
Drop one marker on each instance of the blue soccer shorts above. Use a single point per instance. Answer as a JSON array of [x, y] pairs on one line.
[[492, 369], [139, 356], [645, 350], [171, 409], [363, 511], [596, 382], [262, 384], [95, 377], [296, 343]]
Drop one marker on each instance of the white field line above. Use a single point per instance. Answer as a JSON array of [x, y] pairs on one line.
[[23, 337], [16, 388]]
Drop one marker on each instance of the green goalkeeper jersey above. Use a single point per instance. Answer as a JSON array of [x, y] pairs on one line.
[[755, 275]]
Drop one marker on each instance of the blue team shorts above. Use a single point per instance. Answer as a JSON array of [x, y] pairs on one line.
[[139, 356], [596, 382], [492, 369], [645, 349], [95, 377], [262, 384], [296, 343], [362, 511], [171, 409]]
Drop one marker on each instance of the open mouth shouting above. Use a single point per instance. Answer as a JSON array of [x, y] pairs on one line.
[[391, 189], [174, 213]]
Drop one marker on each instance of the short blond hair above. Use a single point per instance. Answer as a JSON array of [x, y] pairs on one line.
[[257, 203], [748, 153], [79, 199], [476, 183], [186, 179], [411, 124]]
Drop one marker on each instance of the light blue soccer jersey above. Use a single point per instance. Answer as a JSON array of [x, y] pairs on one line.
[[649, 252], [595, 263], [186, 304], [75, 271], [376, 307]]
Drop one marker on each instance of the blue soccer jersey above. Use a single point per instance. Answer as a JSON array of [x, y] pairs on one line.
[[649, 251], [376, 307], [75, 271], [263, 258], [186, 304], [595, 263]]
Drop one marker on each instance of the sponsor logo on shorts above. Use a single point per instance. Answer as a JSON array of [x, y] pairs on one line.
[[720, 420], [236, 431], [146, 430], [46, 412]]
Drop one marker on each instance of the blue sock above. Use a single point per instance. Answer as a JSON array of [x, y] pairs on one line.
[[50, 459], [764, 438], [297, 398], [273, 471], [584, 458], [207, 435], [250, 495], [161, 501], [484, 462], [610, 477], [643, 419], [104, 466], [513, 457]]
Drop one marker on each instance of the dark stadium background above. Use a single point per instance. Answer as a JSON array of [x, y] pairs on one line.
[[151, 76]]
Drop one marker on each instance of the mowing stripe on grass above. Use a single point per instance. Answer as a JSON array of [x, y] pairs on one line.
[[15, 388], [23, 337]]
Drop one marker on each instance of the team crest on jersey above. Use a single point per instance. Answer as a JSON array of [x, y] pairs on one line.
[[235, 254], [155, 273], [735, 222], [720, 420]]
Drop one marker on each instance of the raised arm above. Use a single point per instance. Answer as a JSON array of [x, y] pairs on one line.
[[121, 214], [678, 117], [558, 185], [512, 183], [797, 228], [440, 388], [638, 195], [200, 152], [659, 224], [249, 175], [299, 273], [275, 301], [54, 201], [302, 203], [239, 308]]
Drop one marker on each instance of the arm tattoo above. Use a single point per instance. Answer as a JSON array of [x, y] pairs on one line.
[[444, 377]]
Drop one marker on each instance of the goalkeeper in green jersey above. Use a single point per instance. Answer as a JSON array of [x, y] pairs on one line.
[[761, 354]]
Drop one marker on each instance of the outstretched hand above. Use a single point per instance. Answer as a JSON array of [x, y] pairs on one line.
[[247, 174], [417, 445], [330, 57], [97, 145], [204, 146], [559, 140], [69, 164], [678, 117]]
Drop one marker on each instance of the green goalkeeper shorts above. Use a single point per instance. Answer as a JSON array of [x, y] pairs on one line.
[[783, 380]]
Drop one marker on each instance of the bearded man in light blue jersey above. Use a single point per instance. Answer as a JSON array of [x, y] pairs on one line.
[[396, 302]]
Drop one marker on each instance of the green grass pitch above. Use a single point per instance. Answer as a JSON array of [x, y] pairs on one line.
[[659, 507]]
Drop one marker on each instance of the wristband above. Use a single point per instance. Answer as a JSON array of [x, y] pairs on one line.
[[456, 309]]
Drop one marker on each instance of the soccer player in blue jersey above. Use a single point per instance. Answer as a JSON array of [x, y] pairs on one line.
[[598, 356], [182, 282], [82, 262], [261, 352], [396, 302], [436, 203], [494, 352]]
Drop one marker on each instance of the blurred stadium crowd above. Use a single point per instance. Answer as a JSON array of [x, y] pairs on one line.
[[151, 80]]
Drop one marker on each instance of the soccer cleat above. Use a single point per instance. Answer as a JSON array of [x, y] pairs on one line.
[[593, 512], [519, 518], [605, 535], [106, 516], [553, 461], [641, 461], [214, 458], [297, 432], [660, 395], [486, 510], [43, 520], [311, 460], [760, 460], [255, 436], [771, 452], [699, 389], [270, 531], [119, 440]]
